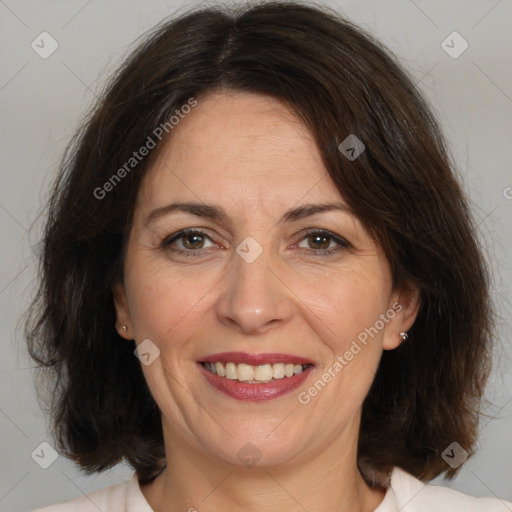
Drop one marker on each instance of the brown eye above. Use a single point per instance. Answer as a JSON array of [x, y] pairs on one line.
[[193, 241], [187, 241], [319, 241]]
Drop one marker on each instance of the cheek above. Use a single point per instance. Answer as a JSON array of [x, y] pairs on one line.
[[160, 300], [346, 302], [346, 309]]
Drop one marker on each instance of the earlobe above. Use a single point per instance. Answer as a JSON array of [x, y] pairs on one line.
[[406, 304], [121, 308]]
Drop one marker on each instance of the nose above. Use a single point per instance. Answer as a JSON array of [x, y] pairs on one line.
[[255, 297]]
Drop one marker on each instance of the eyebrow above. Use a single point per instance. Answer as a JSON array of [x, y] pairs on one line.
[[218, 214]]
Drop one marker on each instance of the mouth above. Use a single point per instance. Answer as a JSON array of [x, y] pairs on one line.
[[255, 377], [261, 374]]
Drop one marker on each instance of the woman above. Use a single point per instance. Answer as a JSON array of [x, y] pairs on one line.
[[260, 281]]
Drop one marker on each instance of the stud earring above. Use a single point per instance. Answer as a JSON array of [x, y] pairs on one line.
[[403, 337], [124, 328]]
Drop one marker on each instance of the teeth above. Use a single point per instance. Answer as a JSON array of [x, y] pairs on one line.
[[263, 373], [255, 374], [278, 370], [219, 369], [231, 371], [245, 372]]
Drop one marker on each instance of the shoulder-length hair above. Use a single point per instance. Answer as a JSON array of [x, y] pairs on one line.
[[339, 81]]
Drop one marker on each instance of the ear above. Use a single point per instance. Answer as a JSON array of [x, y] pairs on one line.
[[122, 311], [406, 304]]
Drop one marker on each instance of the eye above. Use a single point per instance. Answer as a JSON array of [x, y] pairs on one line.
[[188, 241], [192, 242], [322, 242]]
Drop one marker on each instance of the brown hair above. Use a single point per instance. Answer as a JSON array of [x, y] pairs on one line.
[[339, 81]]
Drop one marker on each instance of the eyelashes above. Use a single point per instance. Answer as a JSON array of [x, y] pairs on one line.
[[312, 234], [195, 238]]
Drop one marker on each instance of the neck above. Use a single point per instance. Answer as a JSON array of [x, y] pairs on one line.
[[329, 481]]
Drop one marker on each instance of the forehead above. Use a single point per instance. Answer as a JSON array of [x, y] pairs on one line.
[[239, 148]]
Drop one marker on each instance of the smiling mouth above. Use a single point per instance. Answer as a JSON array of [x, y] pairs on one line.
[[250, 374]]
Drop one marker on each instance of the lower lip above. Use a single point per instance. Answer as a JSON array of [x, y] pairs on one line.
[[255, 392]]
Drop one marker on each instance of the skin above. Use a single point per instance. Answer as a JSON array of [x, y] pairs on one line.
[[251, 156]]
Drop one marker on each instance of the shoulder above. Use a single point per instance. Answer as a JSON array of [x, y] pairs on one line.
[[117, 498], [412, 495]]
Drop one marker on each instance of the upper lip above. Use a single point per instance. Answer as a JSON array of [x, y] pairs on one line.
[[254, 359]]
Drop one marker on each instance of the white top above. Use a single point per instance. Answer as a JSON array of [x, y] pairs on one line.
[[405, 494]]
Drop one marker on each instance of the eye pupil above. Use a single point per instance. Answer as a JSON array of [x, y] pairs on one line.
[[317, 239], [194, 245]]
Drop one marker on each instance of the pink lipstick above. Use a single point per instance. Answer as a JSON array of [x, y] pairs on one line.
[[255, 377]]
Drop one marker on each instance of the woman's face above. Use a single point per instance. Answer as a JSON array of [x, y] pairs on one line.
[[265, 279]]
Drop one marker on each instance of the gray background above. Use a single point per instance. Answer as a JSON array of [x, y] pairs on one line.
[[42, 100]]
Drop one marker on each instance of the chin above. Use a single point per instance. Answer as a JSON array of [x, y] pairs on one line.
[[257, 453]]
